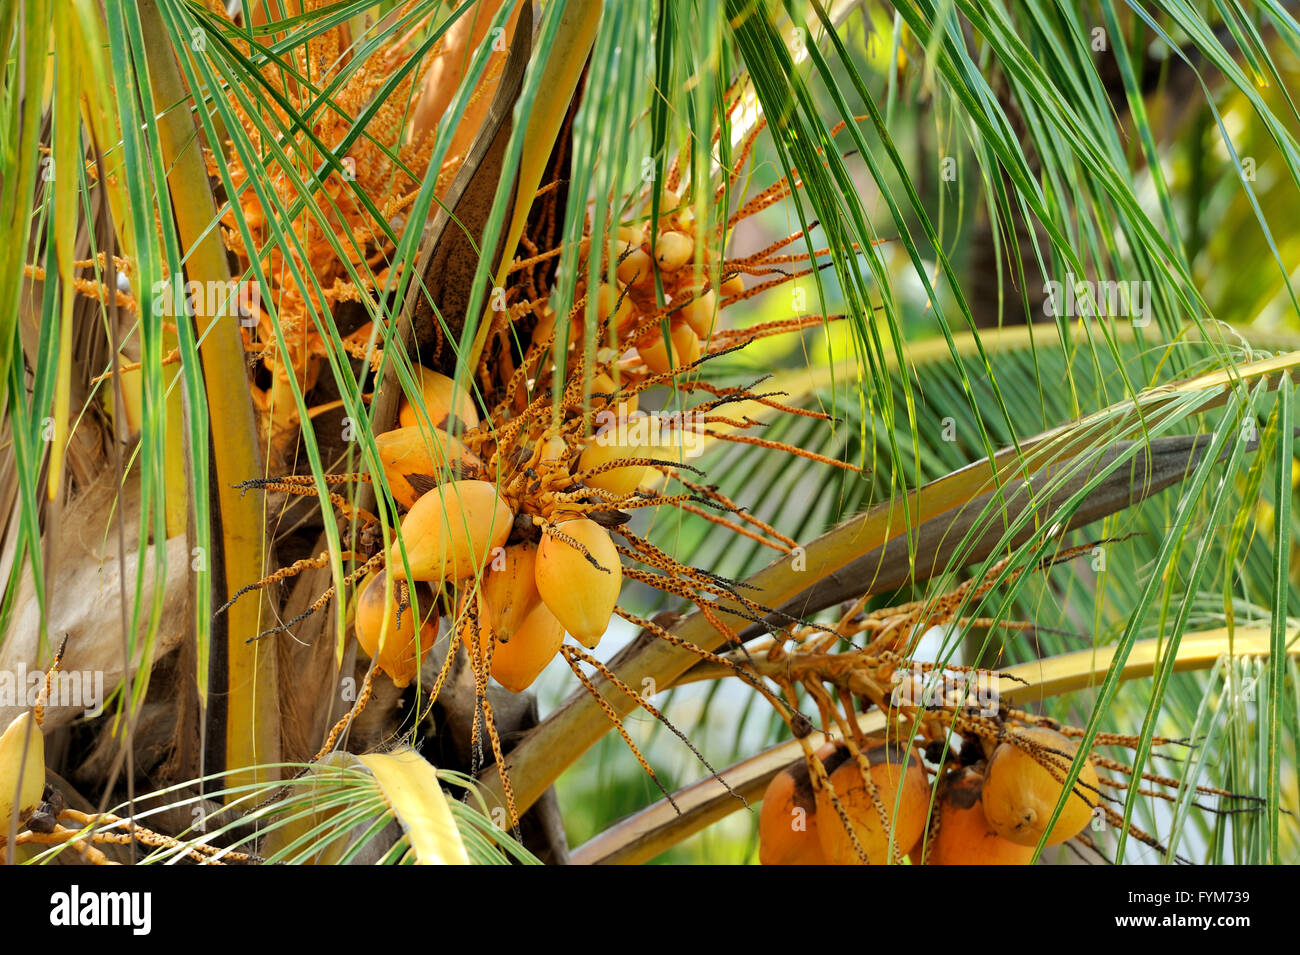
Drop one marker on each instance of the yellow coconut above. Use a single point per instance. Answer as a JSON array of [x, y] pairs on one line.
[[22, 770], [1020, 795], [518, 662], [619, 480], [669, 200], [603, 384], [891, 769], [451, 532], [581, 595], [685, 349], [633, 263], [607, 301], [510, 588], [700, 311], [443, 402], [415, 459], [394, 641], [673, 250]]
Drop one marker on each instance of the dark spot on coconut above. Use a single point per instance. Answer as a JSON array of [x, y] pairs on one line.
[[420, 483], [803, 796], [891, 752]]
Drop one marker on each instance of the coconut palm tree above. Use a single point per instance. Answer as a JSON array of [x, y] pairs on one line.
[[498, 431]]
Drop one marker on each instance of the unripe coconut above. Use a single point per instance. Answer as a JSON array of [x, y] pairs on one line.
[[394, 640], [612, 447], [787, 821], [965, 837], [1020, 795], [516, 664], [685, 349], [673, 250], [700, 311], [581, 596], [442, 401], [510, 590], [888, 773], [451, 532], [415, 459]]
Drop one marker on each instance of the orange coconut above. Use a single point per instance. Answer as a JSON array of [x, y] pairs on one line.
[[396, 641], [518, 662], [733, 286], [451, 532], [545, 326], [443, 402], [787, 821], [509, 588], [1020, 795], [891, 768], [965, 837], [581, 595], [415, 459]]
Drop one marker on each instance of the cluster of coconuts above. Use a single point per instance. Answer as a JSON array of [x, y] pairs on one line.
[[990, 813], [455, 532], [646, 259]]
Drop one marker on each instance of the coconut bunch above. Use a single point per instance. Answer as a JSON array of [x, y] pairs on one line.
[[513, 529], [514, 509], [961, 777]]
